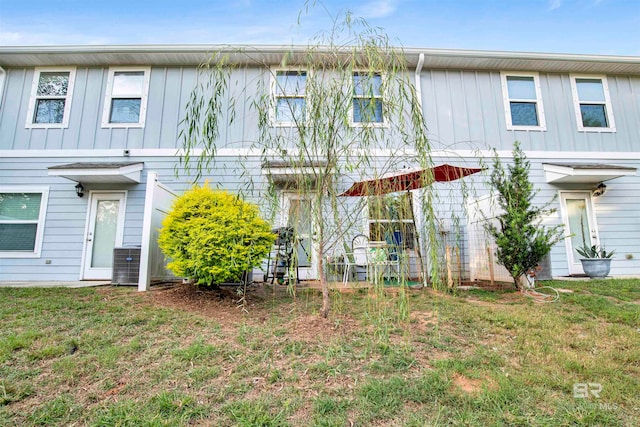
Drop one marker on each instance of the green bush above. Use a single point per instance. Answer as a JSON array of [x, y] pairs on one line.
[[213, 236]]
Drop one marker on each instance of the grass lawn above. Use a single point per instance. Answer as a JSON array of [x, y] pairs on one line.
[[182, 356]]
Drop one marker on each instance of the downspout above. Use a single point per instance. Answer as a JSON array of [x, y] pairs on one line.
[[3, 75], [419, 80]]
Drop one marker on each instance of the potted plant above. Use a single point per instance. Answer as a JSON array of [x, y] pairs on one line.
[[596, 261]]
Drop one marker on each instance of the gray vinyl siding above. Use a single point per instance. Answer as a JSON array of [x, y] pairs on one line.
[[66, 217], [465, 110], [169, 90]]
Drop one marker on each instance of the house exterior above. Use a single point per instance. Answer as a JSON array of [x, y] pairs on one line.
[[103, 123]]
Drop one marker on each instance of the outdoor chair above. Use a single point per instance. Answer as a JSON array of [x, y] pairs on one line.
[[372, 257]]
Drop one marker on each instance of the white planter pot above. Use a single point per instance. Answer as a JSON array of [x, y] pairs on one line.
[[596, 267]]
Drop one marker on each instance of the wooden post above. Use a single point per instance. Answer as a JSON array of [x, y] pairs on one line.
[[490, 258], [459, 265], [449, 272]]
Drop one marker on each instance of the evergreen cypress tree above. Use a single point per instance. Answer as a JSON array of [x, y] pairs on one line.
[[522, 241]]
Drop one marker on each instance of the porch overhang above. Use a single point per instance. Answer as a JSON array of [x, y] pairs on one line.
[[584, 173], [282, 172], [100, 172]]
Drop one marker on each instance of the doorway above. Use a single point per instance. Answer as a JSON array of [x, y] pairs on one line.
[[298, 214], [105, 230], [580, 224]]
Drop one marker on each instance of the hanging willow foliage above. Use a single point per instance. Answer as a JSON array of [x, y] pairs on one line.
[[340, 109]]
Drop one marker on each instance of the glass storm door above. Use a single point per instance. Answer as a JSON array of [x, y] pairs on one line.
[[299, 214], [579, 223], [104, 232]]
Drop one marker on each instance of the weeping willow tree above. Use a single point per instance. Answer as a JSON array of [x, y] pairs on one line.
[[339, 109]]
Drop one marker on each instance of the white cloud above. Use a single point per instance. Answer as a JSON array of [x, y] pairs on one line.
[[377, 9], [554, 4]]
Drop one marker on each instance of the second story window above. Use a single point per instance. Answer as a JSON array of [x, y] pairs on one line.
[[289, 90], [592, 103], [367, 98], [50, 100], [126, 97], [523, 101]]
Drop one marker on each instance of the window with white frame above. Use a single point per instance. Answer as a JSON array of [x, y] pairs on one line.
[[592, 103], [22, 215], [391, 220], [289, 90], [50, 100], [126, 97], [367, 98], [523, 101]]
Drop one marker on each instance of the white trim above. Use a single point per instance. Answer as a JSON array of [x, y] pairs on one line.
[[591, 216], [607, 103], [119, 232], [106, 111], [383, 80], [504, 75], [247, 152], [273, 84], [34, 96], [37, 248]]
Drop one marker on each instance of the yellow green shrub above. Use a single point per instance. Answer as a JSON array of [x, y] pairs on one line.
[[213, 236]]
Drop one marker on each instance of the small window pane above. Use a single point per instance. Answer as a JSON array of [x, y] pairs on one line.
[[125, 110], [367, 110], [290, 109], [49, 111], [594, 116], [291, 83], [521, 87], [524, 114], [128, 83], [18, 237], [53, 84], [367, 85], [20, 206], [590, 90]]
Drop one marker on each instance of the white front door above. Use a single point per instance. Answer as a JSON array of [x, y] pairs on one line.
[[105, 228], [579, 224], [298, 213]]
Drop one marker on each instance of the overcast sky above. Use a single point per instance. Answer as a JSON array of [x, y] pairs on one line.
[[607, 27]]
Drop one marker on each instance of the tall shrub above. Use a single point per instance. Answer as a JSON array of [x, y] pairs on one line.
[[521, 239], [213, 236]]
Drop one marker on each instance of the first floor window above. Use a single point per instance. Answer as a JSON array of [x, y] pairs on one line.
[[21, 221], [126, 97], [391, 220], [50, 101]]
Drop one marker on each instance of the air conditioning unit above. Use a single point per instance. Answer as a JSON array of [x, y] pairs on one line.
[[126, 266]]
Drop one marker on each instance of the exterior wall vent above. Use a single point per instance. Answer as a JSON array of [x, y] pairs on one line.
[[126, 266]]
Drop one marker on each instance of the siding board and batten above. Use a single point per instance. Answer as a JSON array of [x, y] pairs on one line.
[[462, 103]]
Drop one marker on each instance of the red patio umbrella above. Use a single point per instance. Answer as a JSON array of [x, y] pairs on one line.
[[408, 180]]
